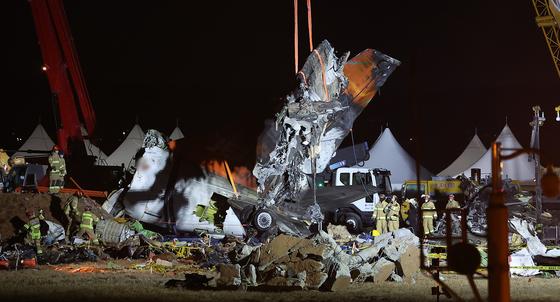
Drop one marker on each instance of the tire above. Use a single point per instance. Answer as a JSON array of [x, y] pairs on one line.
[[353, 223], [263, 220]]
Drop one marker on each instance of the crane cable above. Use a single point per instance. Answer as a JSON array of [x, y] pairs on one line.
[[296, 38], [309, 25], [296, 35]]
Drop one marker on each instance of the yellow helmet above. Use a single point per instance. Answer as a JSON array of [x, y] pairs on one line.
[[375, 233]]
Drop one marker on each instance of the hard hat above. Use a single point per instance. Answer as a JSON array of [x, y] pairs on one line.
[[451, 195], [375, 233], [424, 196]]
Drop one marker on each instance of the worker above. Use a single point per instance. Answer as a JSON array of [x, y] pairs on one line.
[[393, 214], [86, 226], [379, 214], [4, 170], [33, 228], [57, 170], [409, 213], [452, 203], [429, 215], [71, 211]]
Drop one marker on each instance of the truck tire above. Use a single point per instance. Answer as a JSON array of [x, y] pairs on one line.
[[263, 220], [353, 222]]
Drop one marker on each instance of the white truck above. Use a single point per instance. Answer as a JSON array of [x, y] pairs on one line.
[[355, 193]]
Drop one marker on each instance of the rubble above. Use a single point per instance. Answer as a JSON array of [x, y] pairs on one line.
[[319, 262], [339, 233], [409, 263], [382, 269], [228, 275]]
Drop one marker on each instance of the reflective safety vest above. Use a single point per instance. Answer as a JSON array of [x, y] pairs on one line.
[[34, 226], [429, 205], [87, 220]]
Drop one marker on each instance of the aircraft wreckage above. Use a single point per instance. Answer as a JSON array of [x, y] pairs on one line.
[[169, 189]]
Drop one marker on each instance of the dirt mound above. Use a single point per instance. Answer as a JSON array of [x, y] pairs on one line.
[[14, 205]]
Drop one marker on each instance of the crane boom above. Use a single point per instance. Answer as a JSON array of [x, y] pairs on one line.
[[547, 18], [63, 70]]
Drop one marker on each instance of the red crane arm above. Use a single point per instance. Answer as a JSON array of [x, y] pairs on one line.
[[63, 70], [73, 63]]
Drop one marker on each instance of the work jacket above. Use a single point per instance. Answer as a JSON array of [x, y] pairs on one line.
[[379, 212], [88, 218], [57, 164], [394, 209], [33, 227], [426, 206], [452, 204]]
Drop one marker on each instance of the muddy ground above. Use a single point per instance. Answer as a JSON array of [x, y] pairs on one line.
[[47, 284]]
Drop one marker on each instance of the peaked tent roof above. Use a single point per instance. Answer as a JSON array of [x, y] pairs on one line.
[[38, 140], [128, 148], [176, 134], [473, 152], [92, 149], [389, 154], [518, 168]]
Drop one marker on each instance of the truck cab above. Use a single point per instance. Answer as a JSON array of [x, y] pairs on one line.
[[357, 214]]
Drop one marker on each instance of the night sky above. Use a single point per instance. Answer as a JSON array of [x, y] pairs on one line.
[[223, 67]]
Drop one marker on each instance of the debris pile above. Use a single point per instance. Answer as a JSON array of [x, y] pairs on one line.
[[535, 257], [316, 117], [317, 262]]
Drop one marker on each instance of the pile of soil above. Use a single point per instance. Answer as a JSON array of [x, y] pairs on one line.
[[14, 205]]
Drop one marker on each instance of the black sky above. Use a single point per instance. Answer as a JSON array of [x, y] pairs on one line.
[[223, 67]]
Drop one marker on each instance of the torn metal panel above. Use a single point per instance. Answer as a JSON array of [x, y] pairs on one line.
[[522, 258], [167, 188], [315, 119], [56, 233], [113, 233]]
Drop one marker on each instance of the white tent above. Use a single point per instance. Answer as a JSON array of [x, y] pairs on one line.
[[176, 134], [124, 154], [518, 168], [387, 153], [473, 152], [38, 140], [92, 149]]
